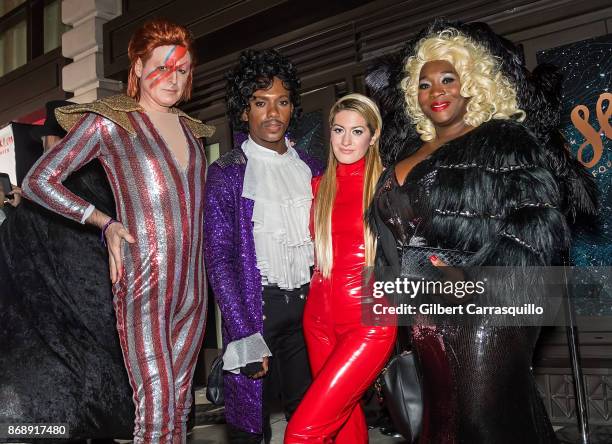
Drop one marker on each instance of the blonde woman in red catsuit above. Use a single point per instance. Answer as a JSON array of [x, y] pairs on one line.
[[345, 356]]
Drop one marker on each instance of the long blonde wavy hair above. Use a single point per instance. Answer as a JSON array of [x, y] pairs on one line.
[[491, 94], [326, 194]]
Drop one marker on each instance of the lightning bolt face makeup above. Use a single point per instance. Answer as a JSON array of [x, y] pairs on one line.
[[163, 77]]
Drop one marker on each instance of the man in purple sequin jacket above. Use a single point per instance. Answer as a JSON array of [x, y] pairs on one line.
[[258, 248]]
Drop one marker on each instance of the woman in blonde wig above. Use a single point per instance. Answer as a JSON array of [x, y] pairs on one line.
[[474, 171], [345, 356]]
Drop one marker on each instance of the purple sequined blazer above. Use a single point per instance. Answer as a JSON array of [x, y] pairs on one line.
[[229, 251]]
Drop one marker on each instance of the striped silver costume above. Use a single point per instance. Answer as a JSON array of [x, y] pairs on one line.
[[160, 301]]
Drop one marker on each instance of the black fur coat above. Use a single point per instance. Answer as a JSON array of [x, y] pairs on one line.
[[491, 191], [506, 190]]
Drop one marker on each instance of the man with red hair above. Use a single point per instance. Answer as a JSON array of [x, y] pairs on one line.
[[155, 164]]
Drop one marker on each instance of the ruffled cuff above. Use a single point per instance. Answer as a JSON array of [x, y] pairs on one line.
[[88, 211], [244, 351]]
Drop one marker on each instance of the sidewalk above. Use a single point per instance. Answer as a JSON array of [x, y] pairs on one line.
[[211, 430]]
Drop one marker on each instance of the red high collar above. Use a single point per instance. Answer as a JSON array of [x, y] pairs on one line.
[[351, 169]]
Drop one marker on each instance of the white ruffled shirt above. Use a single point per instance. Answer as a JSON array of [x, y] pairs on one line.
[[279, 185]]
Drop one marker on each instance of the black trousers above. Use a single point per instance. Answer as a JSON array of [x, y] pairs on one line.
[[288, 376]]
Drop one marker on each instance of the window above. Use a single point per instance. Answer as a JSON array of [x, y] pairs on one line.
[[28, 29], [53, 27], [13, 47], [212, 152]]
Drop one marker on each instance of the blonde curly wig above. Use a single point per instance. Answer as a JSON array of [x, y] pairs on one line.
[[491, 94]]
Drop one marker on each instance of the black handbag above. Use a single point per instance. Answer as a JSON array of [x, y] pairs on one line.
[[214, 386], [415, 262], [400, 386]]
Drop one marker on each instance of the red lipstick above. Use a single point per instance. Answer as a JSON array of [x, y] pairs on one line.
[[439, 106]]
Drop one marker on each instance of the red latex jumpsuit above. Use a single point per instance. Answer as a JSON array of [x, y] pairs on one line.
[[345, 356]]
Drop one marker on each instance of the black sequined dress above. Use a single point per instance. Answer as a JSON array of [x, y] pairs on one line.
[[478, 383]]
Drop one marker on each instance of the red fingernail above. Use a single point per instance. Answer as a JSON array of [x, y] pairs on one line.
[[433, 258]]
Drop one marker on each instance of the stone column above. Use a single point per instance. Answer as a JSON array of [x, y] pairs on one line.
[[83, 44]]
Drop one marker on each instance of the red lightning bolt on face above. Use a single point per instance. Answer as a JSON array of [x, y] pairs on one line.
[[174, 55]]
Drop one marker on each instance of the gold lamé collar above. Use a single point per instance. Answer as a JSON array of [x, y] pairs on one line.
[[115, 108]]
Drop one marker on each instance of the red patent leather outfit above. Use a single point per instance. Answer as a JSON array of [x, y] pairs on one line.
[[345, 356]]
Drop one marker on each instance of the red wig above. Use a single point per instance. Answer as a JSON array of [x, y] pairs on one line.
[[154, 33]]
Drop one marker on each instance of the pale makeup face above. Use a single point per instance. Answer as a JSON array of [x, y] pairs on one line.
[[350, 136], [163, 77]]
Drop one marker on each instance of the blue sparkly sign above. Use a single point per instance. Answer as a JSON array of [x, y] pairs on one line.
[[585, 123]]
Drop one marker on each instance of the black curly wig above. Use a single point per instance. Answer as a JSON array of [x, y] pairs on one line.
[[256, 70]]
